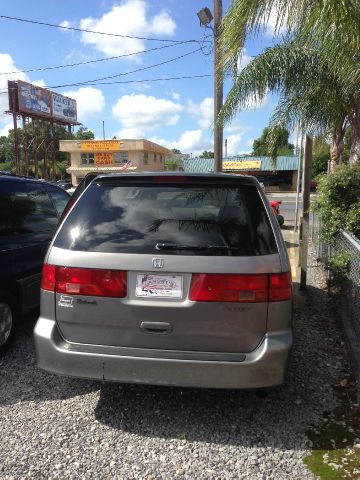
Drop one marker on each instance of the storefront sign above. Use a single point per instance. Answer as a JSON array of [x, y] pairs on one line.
[[245, 165], [104, 158], [99, 145]]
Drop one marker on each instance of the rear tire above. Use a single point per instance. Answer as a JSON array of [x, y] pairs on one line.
[[8, 315], [280, 220]]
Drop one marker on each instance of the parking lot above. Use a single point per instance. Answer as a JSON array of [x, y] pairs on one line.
[[54, 427]]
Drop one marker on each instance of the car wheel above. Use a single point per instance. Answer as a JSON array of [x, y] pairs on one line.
[[7, 320]]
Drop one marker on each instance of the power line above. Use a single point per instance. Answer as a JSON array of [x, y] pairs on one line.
[[93, 61], [125, 73], [25, 20], [161, 79], [184, 77], [150, 80]]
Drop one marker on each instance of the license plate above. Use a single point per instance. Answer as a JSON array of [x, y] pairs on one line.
[[159, 286]]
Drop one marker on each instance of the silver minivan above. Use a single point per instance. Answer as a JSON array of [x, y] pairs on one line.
[[168, 279]]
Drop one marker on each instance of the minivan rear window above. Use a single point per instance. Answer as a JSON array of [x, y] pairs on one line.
[[186, 219]]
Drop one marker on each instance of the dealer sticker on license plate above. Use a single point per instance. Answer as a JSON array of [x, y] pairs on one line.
[[165, 286]]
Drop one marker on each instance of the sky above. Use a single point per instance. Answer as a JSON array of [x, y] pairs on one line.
[[174, 113]]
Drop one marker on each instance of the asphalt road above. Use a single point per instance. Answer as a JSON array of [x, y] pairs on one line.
[[287, 207]]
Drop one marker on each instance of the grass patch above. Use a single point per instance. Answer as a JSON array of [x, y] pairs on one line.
[[335, 454], [316, 464]]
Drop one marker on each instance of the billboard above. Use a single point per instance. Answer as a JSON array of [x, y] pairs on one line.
[[33, 99], [63, 107], [37, 101]]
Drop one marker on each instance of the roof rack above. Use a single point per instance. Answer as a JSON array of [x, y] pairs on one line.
[[12, 174]]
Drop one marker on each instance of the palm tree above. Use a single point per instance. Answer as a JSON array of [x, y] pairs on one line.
[[310, 93], [326, 34]]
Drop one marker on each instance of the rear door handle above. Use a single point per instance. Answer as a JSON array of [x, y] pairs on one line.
[[156, 328]]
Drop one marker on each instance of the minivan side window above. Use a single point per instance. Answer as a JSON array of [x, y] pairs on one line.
[[178, 220], [59, 198], [26, 210]]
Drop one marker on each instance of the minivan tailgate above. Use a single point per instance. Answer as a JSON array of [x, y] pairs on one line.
[[161, 322]]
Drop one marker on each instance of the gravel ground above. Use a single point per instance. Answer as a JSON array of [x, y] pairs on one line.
[[53, 427]]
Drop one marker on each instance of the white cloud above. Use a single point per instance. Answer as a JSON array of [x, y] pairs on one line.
[[235, 135], [272, 26], [255, 103], [128, 18], [234, 145], [39, 83], [203, 112], [196, 141], [65, 23], [190, 141], [90, 102], [244, 60], [175, 95], [140, 114], [7, 64], [5, 130]]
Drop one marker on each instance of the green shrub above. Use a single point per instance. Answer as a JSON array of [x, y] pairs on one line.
[[338, 263], [171, 164], [338, 202]]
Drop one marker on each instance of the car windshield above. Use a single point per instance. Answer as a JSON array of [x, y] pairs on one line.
[[178, 220]]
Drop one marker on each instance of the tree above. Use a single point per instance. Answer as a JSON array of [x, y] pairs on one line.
[[36, 165], [84, 134], [310, 94], [283, 147], [6, 149], [347, 145], [172, 164], [176, 151], [332, 24], [325, 34], [320, 156], [338, 202], [207, 154]]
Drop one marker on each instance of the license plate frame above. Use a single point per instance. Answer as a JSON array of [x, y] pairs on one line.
[[153, 285]]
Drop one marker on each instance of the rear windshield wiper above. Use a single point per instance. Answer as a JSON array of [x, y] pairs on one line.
[[178, 246]]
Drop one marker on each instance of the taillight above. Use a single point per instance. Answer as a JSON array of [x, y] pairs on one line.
[[48, 277], [256, 288], [280, 287], [84, 281], [229, 288]]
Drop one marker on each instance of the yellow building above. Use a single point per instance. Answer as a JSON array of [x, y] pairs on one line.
[[105, 156]]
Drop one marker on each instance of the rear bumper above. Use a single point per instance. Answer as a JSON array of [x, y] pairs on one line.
[[263, 367]]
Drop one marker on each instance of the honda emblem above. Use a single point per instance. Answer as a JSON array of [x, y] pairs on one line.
[[158, 262]]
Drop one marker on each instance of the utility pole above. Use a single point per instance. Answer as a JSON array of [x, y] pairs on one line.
[[306, 206], [218, 89], [300, 151], [16, 136]]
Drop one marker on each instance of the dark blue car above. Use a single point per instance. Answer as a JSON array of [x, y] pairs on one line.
[[29, 214]]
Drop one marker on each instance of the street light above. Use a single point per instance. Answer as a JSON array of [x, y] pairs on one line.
[[205, 17]]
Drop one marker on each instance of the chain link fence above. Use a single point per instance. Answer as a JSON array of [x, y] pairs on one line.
[[348, 245]]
